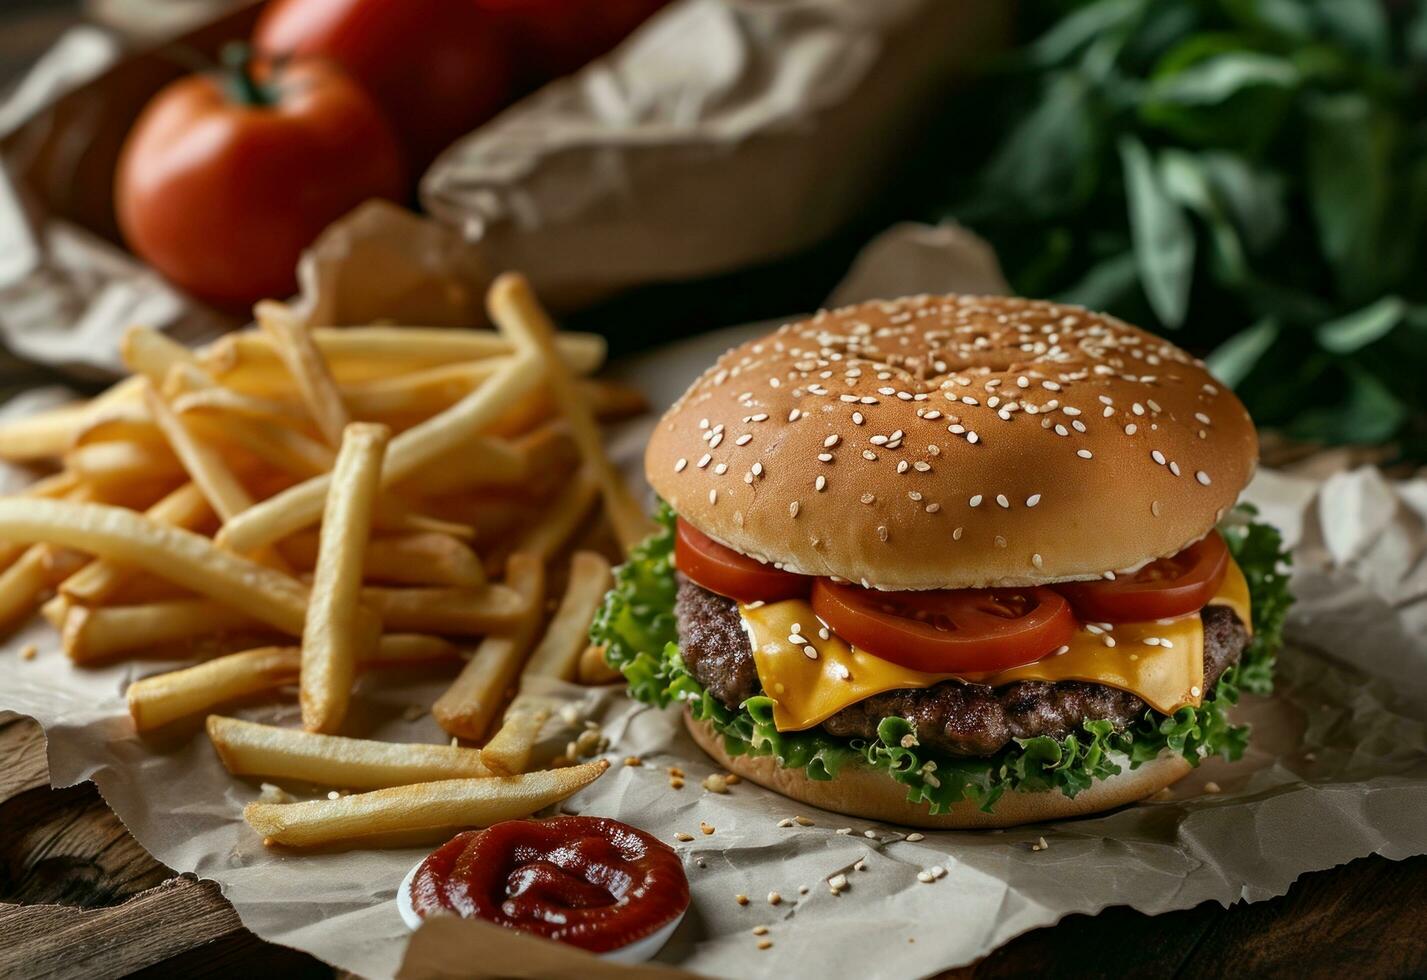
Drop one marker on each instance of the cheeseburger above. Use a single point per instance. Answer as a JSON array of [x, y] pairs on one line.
[[953, 561]]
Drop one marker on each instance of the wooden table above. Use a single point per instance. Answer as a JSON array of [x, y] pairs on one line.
[[80, 897]]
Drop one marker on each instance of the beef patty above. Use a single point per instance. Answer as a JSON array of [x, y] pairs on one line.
[[951, 717]]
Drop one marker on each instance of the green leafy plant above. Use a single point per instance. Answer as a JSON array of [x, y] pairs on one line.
[[1251, 174], [637, 626]]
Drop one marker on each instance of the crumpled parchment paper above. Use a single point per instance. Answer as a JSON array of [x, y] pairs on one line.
[[1337, 769]]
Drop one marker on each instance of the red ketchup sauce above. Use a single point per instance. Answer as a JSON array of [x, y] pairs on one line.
[[587, 881]]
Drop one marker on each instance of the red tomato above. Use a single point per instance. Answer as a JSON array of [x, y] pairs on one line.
[[1174, 586], [559, 36], [223, 182], [439, 68], [948, 631], [728, 573]]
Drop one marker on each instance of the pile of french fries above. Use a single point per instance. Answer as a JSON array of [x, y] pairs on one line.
[[294, 506]]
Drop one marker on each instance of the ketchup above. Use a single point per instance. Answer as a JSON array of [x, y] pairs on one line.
[[587, 881]]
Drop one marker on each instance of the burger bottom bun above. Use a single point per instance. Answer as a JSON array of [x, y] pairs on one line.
[[861, 792]]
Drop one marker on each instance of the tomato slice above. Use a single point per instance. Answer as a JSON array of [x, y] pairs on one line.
[[948, 631], [725, 571], [1173, 586]]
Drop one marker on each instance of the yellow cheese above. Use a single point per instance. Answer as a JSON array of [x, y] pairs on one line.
[[1166, 674]]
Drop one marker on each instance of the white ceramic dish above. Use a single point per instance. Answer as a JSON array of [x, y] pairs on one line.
[[635, 952]]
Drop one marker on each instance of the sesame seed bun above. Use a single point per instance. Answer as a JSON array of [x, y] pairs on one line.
[[862, 792], [954, 442]]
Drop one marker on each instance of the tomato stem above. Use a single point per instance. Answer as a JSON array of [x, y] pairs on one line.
[[243, 87]]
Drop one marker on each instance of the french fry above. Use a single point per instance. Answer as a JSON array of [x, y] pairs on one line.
[[296, 508], [90, 635], [44, 435], [149, 353], [293, 452], [246, 360], [249, 749], [594, 670], [468, 706], [451, 612], [568, 633], [563, 517], [22, 585], [204, 464], [171, 553], [115, 463], [418, 393], [331, 639], [130, 422], [100, 579], [298, 352], [421, 808], [395, 516], [160, 699], [482, 462], [423, 558], [60, 484], [164, 698], [508, 751], [514, 308]]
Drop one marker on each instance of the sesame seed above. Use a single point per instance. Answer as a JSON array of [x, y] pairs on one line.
[[972, 438], [956, 535], [740, 899], [1084, 454], [793, 509], [765, 944], [825, 457], [713, 496], [1001, 499], [793, 415], [902, 466], [976, 500], [757, 469], [720, 469], [1154, 507], [925, 876], [857, 418], [869, 454], [1033, 499], [681, 836], [703, 460], [820, 484], [933, 508], [1131, 429], [1061, 430], [1174, 467], [1037, 561], [744, 439], [1202, 477], [921, 466], [830, 441], [679, 466], [882, 533], [717, 438]]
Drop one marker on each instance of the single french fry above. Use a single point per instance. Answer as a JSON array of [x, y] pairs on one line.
[[173, 554], [422, 558], [204, 464], [513, 306], [127, 422], [44, 435], [22, 585], [299, 354], [398, 649], [418, 393], [508, 751], [300, 506], [481, 462], [563, 517], [470, 703], [122, 462], [568, 633], [249, 749], [451, 612], [160, 699], [594, 670], [331, 639], [101, 633], [149, 353], [424, 807], [185, 507], [246, 360]]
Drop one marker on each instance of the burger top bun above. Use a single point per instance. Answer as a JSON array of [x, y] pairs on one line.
[[954, 442]]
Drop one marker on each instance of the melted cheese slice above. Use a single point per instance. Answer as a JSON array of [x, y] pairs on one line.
[[1166, 674]]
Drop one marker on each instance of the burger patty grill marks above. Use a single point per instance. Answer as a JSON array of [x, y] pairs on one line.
[[952, 717]]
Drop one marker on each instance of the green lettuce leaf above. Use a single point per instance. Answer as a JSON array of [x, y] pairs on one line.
[[637, 627]]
